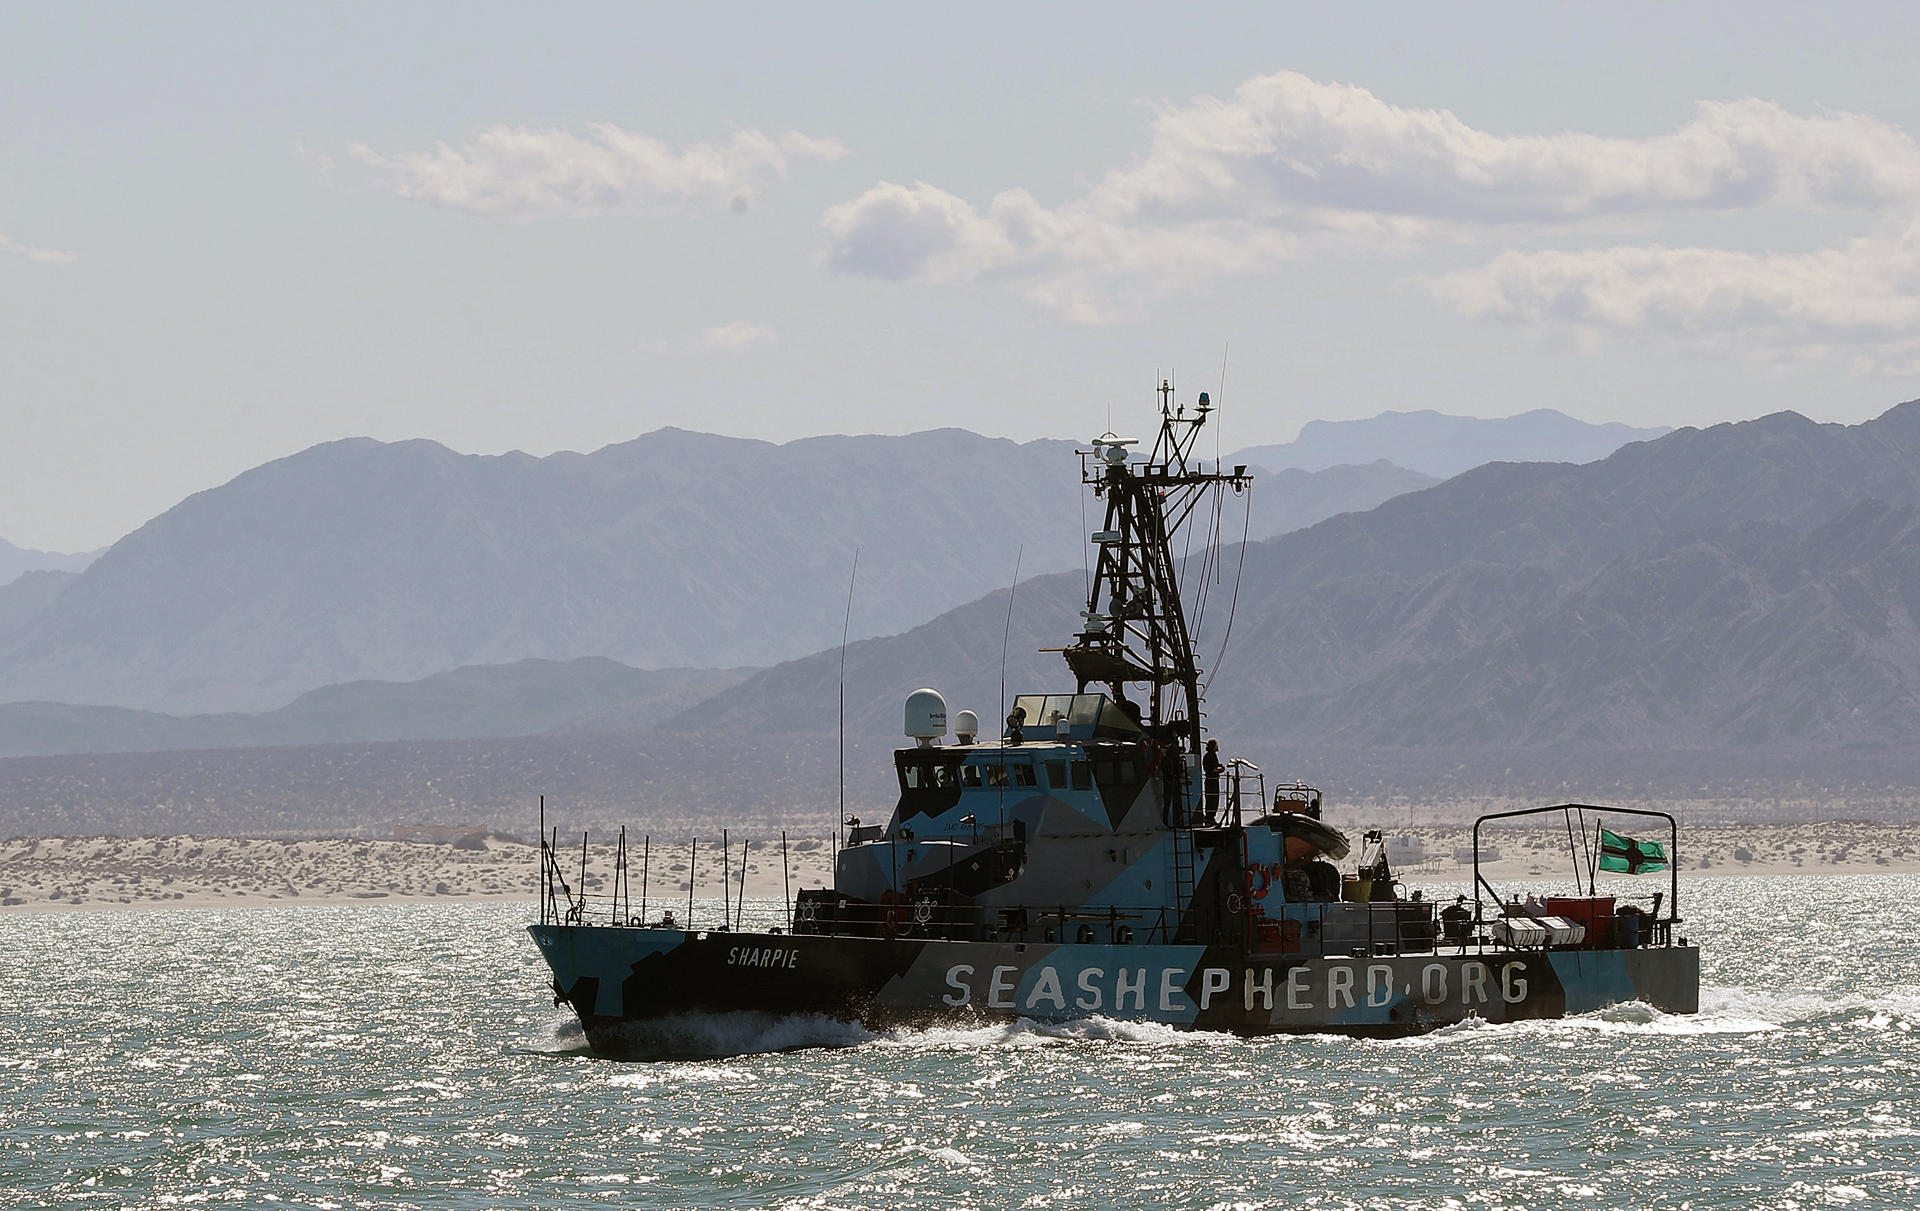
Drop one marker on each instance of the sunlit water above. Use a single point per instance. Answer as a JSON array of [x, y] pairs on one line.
[[409, 1056]]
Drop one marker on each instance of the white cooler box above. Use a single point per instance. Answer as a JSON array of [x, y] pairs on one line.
[[1529, 932]]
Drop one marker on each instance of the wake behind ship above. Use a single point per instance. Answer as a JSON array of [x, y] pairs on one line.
[[1100, 857]]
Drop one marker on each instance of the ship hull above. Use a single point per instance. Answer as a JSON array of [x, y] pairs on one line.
[[619, 979]]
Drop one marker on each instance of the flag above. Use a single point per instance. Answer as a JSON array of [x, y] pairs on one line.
[[1634, 857]]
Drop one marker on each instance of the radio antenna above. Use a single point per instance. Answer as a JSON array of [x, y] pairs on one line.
[[839, 821], [1005, 636], [1224, 350]]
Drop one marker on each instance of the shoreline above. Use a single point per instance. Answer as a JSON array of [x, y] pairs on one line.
[[49, 874]]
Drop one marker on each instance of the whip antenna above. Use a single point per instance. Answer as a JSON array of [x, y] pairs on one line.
[[1005, 636], [1224, 350], [839, 841]]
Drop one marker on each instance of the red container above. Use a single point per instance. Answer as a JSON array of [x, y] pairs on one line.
[[1594, 912]]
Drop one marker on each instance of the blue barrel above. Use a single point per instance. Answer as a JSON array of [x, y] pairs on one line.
[[1626, 928]]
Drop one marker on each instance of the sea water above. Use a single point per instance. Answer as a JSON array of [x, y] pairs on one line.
[[410, 1056]]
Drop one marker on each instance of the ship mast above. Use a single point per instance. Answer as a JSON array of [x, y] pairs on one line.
[[1136, 626]]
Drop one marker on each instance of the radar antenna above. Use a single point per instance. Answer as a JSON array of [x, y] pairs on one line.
[[1136, 627]]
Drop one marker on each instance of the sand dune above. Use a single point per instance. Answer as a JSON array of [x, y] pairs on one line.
[[123, 872]]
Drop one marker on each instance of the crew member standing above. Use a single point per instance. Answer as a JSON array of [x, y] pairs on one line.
[[1210, 767]]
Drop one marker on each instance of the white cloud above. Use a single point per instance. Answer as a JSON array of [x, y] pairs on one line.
[[722, 340], [40, 256], [1291, 168], [1285, 143], [1860, 299], [739, 336], [520, 174]]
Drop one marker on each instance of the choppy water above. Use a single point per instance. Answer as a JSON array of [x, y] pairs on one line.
[[408, 1056]]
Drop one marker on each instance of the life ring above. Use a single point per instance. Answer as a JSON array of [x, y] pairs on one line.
[[1259, 883]]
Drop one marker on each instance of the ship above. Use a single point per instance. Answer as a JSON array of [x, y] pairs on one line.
[[1098, 857]]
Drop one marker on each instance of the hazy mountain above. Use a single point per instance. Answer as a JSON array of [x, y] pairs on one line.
[[26, 597], [14, 561], [1443, 446], [1748, 585], [530, 697], [360, 559]]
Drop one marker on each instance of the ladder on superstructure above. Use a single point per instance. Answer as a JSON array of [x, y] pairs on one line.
[[1183, 876]]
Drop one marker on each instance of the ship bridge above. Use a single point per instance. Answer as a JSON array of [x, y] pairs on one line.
[[1085, 751]]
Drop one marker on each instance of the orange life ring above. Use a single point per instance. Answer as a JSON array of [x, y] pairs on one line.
[[1259, 882]]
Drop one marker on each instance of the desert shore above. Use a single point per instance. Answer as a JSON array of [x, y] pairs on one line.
[[55, 873], [38, 873]]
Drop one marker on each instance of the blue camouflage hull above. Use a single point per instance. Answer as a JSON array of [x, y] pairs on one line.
[[617, 979]]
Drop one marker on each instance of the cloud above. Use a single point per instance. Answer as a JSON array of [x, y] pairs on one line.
[[1286, 143], [1289, 168], [1860, 299], [739, 336], [521, 174], [39, 256], [734, 337]]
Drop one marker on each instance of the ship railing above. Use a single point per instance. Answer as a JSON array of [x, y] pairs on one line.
[[565, 902], [1343, 929], [1650, 927]]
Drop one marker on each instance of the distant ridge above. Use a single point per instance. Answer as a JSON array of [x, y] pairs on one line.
[[527, 698], [16, 561], [1443, 446], [361, 560]]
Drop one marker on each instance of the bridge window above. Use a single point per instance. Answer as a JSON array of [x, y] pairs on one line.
[[1057, 775], [929, 782]]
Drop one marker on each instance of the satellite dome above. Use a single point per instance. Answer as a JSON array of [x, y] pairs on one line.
[[926, 716], [966, 726]]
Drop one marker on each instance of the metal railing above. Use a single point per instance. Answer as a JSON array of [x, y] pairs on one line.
[[1323, 929], [562, 902]]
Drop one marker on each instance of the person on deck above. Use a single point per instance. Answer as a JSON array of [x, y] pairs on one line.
[[1456, 922], [1211, 766]]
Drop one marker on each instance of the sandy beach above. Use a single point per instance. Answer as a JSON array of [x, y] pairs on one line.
[[38, 874], [199, 872]]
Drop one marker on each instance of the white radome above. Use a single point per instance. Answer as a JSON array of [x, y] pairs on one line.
[[926, 715]]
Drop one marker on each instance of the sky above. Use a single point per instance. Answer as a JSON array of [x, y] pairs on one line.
[[229, 232]]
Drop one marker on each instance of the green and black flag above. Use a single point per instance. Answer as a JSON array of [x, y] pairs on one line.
[[1634, 857]]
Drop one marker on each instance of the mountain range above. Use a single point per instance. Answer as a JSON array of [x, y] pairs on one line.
[[363, 560], [1748, 586], [1443, 446], [1732, 607]]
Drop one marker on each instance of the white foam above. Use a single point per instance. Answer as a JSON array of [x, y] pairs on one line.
[[1898, 1004], [720, 1035], [1025, 1032]]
